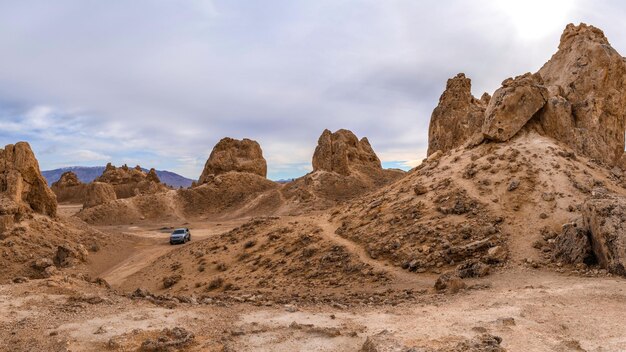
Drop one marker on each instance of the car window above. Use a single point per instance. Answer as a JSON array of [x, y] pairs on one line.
[[178, 232]]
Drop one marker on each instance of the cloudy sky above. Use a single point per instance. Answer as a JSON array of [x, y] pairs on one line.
[[159, 82]]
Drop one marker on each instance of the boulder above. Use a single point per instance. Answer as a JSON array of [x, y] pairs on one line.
[[99, 193], [234, 155], [513, 105], [496, 254], [384, 341], [573, 245], [457, 117], [449, 281], [342, 152], [42, 263], [22, 186], [67, 256], [605, 219], [587, 101]]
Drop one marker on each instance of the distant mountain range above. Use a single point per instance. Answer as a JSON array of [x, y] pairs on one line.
[[89, 173]]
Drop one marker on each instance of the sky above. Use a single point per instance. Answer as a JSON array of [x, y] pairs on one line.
[[160, 82]]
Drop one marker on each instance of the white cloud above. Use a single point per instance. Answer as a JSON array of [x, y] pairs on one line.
[[87, 155]]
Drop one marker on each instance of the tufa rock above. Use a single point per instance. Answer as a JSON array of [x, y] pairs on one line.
[[22, 186], [342, 151], [578, 98], [572, 245], [234, 155], [67, 179], [605, 220], [513, 105], [99, 193], [587, 103], [68, 188], [457, 117], [129, 182], [152, 176], [125, 175]]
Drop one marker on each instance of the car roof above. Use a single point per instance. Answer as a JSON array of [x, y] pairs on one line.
[[181, 228]]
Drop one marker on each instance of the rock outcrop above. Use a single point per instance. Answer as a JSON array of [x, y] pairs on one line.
[[67, 179], [573, 245], [128, 182], [587, 104], [458, 116], [125, 175], [604, 219], [99, 193], [22, 187], [234, 155], [513, 105], [342, 151], [69, 189], [578, 98]]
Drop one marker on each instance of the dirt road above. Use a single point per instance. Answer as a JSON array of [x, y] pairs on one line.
[[143, 244]]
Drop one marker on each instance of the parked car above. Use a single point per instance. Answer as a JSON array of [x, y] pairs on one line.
[[181, 235]]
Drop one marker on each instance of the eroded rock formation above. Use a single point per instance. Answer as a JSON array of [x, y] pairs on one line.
[[67, 179], [577, 98], [99, 193], [234, 155], [586, 79], [69, 188], [457, 117], [128, 182], [342, 151], [22, 186]]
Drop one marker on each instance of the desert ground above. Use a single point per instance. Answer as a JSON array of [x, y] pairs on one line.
[[529, 309]]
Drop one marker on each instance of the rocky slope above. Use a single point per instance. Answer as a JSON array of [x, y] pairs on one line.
[[504, 187], [267, 255]]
